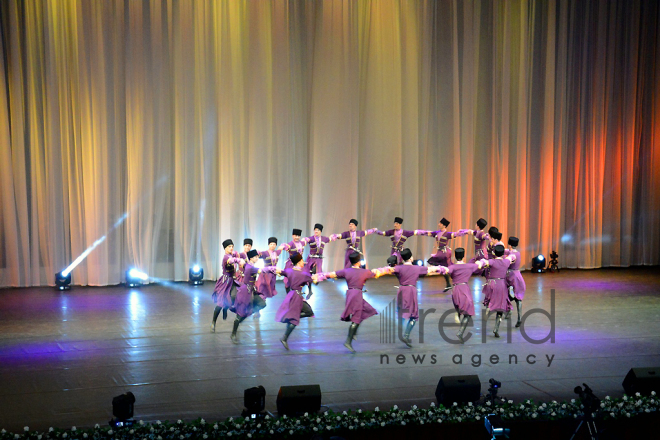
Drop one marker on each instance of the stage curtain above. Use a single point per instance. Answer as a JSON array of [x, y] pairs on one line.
[[154, 130]]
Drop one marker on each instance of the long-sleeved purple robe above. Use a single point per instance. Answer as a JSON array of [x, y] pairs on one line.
[[513, 276], [315, 258], [481, 242], [406, 298], [290, 309], [222, 290], [357, 309], [353, 240], [460, 274], [398, 238], [293, 247], [266, 281], [498, 300]]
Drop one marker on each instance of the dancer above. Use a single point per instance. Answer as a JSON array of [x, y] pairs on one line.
[[460, 273], [247, 246], [357, 309], [247, 299], [443, 255], [499, 296], [408, 274], [399, 237], [294, 308], [295, 246], [224, 292], [493, 233], [481, 240], [514, 279], [265, 284], [317, 243], [353, 238]]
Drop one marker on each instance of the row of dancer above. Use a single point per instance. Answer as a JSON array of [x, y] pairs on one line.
[[246, 299]]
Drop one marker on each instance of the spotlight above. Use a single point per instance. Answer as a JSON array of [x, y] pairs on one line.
[[254, 400], [63, 281], [363, 264], [554, 262], [122, 410], [135, 278], [538, 264], [196, 275], [419, 262], [495, 427]]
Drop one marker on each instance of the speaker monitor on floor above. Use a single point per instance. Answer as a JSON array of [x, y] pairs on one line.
[[642, 380], [299, 399], [460, 389]]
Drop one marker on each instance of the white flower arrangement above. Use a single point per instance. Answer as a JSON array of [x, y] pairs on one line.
[[352, 421]]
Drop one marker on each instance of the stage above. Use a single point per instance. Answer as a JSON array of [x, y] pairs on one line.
[[65, 355]]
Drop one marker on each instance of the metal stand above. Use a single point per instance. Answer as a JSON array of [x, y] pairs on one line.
[[591, 424]]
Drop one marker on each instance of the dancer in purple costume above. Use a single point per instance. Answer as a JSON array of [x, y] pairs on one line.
[[499, 300], [407, 274], [493, 233], [460, 273], [317, 244], [399, 237], [514, 279], [266, 281], [247, 298], [294, 307], [247, 247], [295, 246], [443, 255], [356, 309], [481, 240], [353, 239], [224, 292]]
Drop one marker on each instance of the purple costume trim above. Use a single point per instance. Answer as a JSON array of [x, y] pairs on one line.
[[353, 243], [223, 287], [498, 300], [293, 248], [315, 258]]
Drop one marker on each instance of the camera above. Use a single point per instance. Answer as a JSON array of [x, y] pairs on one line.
[[588, 398], [554, 262], [495, 385]]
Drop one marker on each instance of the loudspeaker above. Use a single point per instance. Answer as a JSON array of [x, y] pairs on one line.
[[299, 399], [254, 399], [460, 389], [642, 380]]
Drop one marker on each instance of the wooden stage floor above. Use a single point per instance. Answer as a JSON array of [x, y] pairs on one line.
[[64, 355]]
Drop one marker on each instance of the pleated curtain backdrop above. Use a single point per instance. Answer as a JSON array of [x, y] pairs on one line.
[[157, 129]]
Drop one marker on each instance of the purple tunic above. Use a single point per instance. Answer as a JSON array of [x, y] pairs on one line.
[[240, 271], [315, 257], [399, 238], [514, 278], [290, 309], [357, 309], [481, 241], [266, 281], [460, 293], [443, 255], [408, 274], [246, 292], [294, 247], [222, 290], [499, 294], [353, 240]]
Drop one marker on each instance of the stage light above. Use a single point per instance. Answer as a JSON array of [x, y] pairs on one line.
[[135, 278], [122, 410], [196, 275], [538, 264], [63, 281], [419, 262], [254, 400]]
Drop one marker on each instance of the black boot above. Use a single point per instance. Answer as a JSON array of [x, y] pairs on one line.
[[237, 322], [351, 332], [309, 291], [448, 280], [464, 323], [216, 312], [406, 334], [498, 319], [224, 313], [519, 308], [287, 332]]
